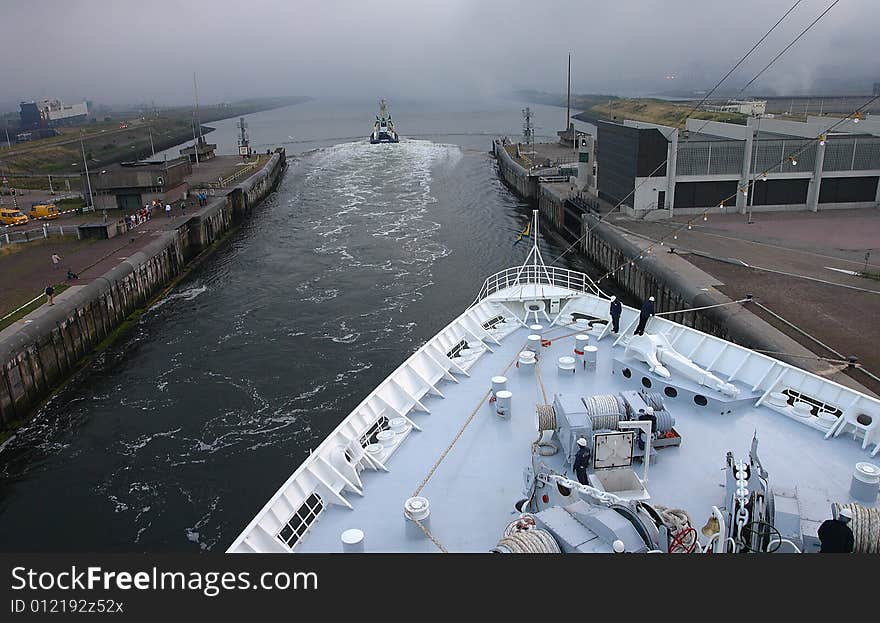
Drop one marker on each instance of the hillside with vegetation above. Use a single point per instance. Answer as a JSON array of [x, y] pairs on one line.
[[609, 107]]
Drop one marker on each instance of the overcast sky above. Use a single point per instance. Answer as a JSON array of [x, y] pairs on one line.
[[127, 51]]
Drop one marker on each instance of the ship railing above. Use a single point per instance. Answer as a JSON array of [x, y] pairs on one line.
[[537, 275]]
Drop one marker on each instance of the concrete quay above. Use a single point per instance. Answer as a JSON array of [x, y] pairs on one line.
[[40, 351]]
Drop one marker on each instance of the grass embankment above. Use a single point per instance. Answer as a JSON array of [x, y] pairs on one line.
[[649, 110], [659, 111], [28, 165], [69, 204], [104, 144], [21, 313]]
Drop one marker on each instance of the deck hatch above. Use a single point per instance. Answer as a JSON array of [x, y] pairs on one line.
[[299, 523]]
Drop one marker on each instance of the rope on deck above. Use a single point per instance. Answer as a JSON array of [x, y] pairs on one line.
[[462, 429], [540, 380], [430, 536]]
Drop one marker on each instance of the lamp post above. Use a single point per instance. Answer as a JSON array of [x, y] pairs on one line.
[[86, 167], [751, 190]]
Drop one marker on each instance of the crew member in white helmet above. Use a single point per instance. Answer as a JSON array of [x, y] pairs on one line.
[[582, 461], [647, 312], [615, 309]]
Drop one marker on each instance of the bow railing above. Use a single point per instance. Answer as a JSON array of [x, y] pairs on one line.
[[531, 275]]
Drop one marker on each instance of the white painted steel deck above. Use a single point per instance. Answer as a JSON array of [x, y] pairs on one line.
[[473, 489]]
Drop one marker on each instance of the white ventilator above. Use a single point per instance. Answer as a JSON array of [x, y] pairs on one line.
[[580, 343], [658, 353]]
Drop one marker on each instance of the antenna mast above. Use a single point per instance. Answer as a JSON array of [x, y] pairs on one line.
[[244, 149], [568, 97], [528, 130]]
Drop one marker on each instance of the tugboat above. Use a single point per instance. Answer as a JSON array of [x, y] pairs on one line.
[[383, 127]]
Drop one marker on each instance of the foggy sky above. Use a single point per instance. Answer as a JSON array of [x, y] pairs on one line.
[[126, 51]]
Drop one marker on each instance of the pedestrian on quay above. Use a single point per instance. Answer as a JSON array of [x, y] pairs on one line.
[[168, 210], [647, 312], [50, 294], [183, 206], [71, 275], [56, 260], [615, 310]]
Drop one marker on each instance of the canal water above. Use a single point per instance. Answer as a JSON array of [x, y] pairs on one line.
[[177, 435]]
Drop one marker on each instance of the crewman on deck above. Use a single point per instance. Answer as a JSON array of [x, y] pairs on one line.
[[616, 308], [582, 461], [835, 535], [647, 312]]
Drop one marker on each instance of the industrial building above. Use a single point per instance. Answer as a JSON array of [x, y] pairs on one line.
[[659, 171], [131, 185], [51, 113], [743, 107]]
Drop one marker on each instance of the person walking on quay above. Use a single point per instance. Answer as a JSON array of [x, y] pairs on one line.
[[50, 294], [616, 308], [56, 260], [168, 210], [647, 312]]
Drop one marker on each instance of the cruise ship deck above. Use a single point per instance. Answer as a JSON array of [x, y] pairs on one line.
[[468, 462]]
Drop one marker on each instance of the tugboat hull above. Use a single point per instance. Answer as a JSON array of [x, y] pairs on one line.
[[383, 128], [384, 138]]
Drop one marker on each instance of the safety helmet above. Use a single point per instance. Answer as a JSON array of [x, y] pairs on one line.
[[582, 442], [650, 298], [845, 514]]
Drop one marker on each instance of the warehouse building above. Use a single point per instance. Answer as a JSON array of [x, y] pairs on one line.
[[131, 185], [658, 171]]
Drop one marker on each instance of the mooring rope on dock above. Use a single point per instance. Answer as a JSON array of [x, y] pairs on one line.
[[693, 309], [843, 358]]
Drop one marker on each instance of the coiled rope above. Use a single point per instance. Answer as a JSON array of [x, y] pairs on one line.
[[522, 537], [865, 526], [546, 422], [684, 536], [546, 417]]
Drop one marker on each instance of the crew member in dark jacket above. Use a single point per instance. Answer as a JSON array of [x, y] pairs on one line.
[[835, 535], [616, 308], [582, 461], [647, 312]]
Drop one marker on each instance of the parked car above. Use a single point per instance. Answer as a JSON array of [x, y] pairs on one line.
[[46, 211], [8, 216]]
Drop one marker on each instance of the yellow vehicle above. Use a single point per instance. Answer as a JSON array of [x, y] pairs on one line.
[[46, 211], [8, 216]]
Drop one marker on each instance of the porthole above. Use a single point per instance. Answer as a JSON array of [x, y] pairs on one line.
[[864, 419], [627, 372], [564, 491], [670, 392], [700, 400], [646, 382]]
